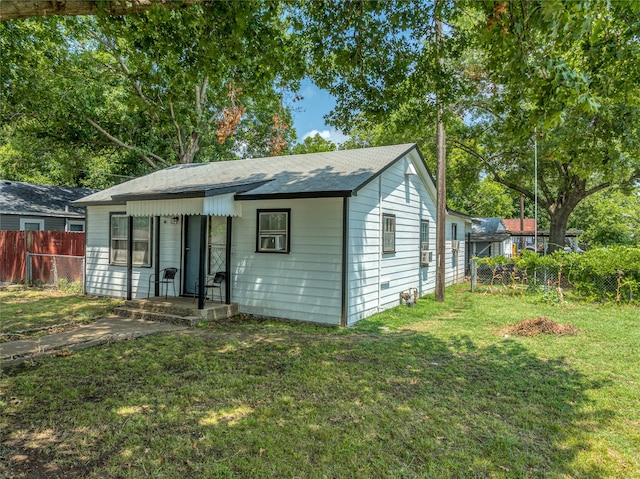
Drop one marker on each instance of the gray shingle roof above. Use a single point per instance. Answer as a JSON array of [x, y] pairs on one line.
[[488, 226], [334, 173], [18, 198]]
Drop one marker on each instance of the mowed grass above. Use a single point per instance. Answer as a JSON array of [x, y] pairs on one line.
[[24, 308], [430, 391]]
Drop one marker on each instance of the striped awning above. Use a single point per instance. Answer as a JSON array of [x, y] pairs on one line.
[[223, 205]]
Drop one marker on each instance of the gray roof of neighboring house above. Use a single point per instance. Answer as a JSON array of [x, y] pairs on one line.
[[18, 198], [485, 229], [334, 173], [488, 226]]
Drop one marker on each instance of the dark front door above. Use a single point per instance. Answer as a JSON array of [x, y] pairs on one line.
[[192, 233]]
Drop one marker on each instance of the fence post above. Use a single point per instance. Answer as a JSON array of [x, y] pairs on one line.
[[27, 269], [473, 274], [84, 265], [55, 273]]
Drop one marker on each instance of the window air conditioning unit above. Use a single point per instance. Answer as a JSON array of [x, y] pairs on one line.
[[426, 257], [455, 245], [273, 242]]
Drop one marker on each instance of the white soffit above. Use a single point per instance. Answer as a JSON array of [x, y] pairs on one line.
[[215, 205]]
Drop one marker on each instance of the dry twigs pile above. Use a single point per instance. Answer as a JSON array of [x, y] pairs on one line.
[[539, 325]]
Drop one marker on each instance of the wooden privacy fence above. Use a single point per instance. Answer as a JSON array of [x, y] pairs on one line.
[[17, 246]]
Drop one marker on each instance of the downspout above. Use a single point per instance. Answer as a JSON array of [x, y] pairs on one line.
[[227, 262], [345, 262], [129, 257], [156, 286], [203, 260]]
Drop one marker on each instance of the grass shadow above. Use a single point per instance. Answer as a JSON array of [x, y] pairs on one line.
[[269, 400]]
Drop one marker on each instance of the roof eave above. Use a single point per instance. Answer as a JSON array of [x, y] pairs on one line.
[[293, 195], [413, 146]]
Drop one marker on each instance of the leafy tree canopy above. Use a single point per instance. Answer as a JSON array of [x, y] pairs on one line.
[[314, 144], [564, 70], [609, 217], [201, 83]]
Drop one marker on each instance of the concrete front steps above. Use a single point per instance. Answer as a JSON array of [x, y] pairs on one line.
[[180, 311]]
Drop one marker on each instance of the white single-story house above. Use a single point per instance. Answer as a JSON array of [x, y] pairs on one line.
[[328, 237]]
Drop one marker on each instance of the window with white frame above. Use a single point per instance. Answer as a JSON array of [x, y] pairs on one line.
[[119, 240], [273, 231], [388, 233], [31, 224], [455, 244], [75, 226], [425, 254]]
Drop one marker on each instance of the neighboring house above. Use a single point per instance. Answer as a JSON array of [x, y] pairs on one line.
[[26, 206], [325, 237], [509, 236], [489, 237], [522, 233]]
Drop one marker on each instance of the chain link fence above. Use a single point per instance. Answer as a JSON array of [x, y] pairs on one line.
[[552, 279], [59, 271]]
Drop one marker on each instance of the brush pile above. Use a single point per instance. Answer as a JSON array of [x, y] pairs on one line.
[[539, 325]]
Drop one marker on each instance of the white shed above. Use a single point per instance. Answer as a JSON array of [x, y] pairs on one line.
[[325, 237]]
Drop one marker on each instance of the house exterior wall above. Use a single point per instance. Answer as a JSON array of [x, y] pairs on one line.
[[304, 284], [104, 279], [51, 223], [455, 260], [376, 279]]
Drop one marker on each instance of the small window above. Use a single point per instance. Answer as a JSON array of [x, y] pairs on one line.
[[31, 224], [273, 231], [388, 233], [424, 234], [120, 241], [75, 226], [454, 231], [425, 256]]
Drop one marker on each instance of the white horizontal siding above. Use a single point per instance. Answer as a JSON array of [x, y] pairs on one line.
[[104, 279], [376, 279], [303, 285], [455, 262]]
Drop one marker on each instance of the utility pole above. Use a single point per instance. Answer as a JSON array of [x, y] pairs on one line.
[[441, 180]]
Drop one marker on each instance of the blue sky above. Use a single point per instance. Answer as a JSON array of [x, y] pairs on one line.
[[308, 113]]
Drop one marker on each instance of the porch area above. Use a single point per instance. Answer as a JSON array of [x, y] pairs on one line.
[[181, 311]]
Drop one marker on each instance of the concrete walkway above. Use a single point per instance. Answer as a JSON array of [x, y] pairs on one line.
[[106, 330]]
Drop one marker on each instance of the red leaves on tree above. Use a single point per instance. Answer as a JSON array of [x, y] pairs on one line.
[[231, 116], [277, 141]]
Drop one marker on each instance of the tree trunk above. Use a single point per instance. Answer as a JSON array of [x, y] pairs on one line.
[[192, 149], [11, 9], [559, 217]]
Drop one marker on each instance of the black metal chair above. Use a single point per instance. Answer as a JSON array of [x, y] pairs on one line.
[[167, 277], [212, 282]]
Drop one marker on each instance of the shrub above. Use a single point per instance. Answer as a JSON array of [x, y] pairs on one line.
[[601, 274]]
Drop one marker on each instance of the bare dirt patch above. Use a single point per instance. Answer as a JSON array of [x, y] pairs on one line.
[[539, 325]]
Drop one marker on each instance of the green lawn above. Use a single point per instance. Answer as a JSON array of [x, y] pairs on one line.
[[24, 309], [430, 391]]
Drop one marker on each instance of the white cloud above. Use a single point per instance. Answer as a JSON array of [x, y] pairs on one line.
[[309, 92], [332, 135]]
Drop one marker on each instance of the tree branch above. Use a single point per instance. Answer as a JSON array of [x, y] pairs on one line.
[[149, 159], [111, 46], [12, 9], [178, 131]]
